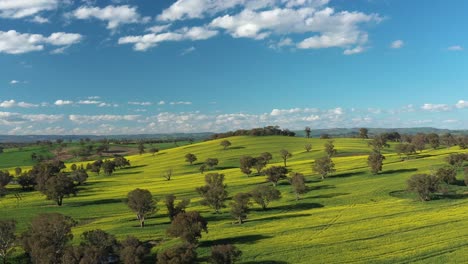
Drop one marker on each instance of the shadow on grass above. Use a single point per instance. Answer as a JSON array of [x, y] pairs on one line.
[[133, 167], [330, 195], [278, 217], [127, 173], [247, 239], [226, 168], [265, 262], [298, 206], [239, 147], [397, 171], [345, 175], [322, 187], [96, 202]]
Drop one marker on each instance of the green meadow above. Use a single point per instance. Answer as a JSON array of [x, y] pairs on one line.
[[350, 217]]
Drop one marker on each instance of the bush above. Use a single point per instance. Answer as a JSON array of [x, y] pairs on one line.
[[424, 185], [180, 254]]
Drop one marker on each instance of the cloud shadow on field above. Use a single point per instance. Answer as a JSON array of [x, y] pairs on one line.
[[398, 171], [247, 239]]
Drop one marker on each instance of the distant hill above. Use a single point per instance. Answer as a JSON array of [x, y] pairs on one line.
[[334, 132], [349, 132]]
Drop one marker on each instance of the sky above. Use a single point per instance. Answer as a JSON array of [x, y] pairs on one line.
[[145, 66]]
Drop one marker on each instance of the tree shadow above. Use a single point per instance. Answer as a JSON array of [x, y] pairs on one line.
[[238, 147], [96, 202], [127, 173], [330, 195], [451, 196], [265, 262], [278, 217], [133, 167], [322, 187], [298, 206], [225, 168], [345, 175], [398, 171], [247, 239]]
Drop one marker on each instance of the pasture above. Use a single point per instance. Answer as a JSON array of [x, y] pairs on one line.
[[350, 217]]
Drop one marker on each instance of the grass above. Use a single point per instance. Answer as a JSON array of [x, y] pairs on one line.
[[351, 217]]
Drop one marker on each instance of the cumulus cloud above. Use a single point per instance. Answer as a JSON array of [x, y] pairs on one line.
[[435, 107], [24, 8], [181, 103], [462, 104], [397, 44], [13, 42], [13, 82], [13, 103], [115, 16], [63, 102], [10, 118], [187, 51], [144, 42]]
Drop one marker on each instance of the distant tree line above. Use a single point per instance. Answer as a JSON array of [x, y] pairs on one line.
[[265, 131]]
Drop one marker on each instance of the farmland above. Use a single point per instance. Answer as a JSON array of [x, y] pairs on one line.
[[352, 216]]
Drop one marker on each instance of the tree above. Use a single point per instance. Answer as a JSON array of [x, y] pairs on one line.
[[58, 187], [463, 142], [267, 157], [153, 150], [225, 254], [298, 184], [246, 164], [275, 174], [211, 162], [214, 192], [79, 176], [307, 131], [225, 144], [141, 148], [364, 133], [259, 164], [405, 148], [456, 160], [47, 237], [202, 168], [5, 179], [324, 166], [142, 203], [188, 226], [448, 140], [18, 171], [108, 167], [190, 158], [98, 246], [285, 155], [133, 251], [172, 209], [240, 206], [308, 147], [263, 195], [419, 141], [121, 162], [465, 174], [378, 143], [179, 254], [447, 174], [434, 140], [423, 185], [325, 136], [7, 238], [168, 174], [375, 162], [27, 181], [330, 148]]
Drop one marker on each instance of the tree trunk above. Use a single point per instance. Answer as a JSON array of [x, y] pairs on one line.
[[142, 221], [285, 162], [240, 220]]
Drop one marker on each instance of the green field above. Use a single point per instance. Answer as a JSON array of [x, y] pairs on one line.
[[350, 217]]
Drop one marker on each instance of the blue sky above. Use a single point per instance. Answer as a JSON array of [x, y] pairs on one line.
[[128, 66]]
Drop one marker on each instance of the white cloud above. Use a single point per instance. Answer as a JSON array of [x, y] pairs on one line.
[[115, 16], [187, 51], [13, 82], [397, 44], [435, 107], [462, 104], [140, 103], [83, 119], [8, 104], [63, 102], [144, 42], [89, 102], [24, 8], [353, 51], [158, 28], [12, 42], [181, 103], [26, 105], [10, 118], [455, 48], [40, 20], [161, 103]]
